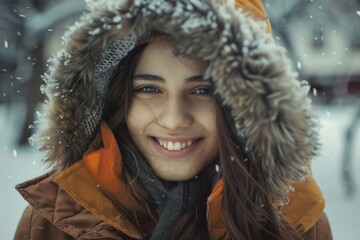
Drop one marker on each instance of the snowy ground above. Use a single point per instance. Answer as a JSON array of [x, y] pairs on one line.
[[343, 212], [20, 164], [17, 165]]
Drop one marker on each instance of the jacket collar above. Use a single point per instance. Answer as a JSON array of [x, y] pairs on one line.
[[88, 187], [60, 208], [305, 206], [105, 165], [95, 183]]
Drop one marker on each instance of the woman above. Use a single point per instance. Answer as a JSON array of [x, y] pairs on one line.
[[174, 120]]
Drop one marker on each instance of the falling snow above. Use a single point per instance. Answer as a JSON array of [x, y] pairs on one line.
[[117, 19], [95, 31], [314, 91], [217, 168], [298, 64]]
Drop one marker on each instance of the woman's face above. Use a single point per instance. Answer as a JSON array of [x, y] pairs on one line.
[[172, 114]]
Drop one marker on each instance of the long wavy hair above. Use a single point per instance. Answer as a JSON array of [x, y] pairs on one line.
[[248, 208]]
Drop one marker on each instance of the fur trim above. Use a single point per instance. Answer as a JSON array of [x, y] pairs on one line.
[[270, 107]]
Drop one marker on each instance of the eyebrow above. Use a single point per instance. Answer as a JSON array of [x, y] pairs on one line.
[[151, 77]]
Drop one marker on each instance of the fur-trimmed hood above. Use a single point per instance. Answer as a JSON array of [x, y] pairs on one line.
[[270, 108]]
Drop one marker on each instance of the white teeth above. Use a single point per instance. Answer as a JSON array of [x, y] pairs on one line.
[[170, 146], [175, 146]]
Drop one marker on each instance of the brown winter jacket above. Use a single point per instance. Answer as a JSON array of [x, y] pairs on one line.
[[79, 204]]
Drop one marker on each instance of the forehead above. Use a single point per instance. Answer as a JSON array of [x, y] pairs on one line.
[[159, 55]]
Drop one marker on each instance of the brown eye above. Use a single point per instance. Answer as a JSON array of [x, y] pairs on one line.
[[203, 91], [147, 89]]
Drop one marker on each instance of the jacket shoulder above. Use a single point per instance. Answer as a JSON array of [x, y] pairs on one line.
[[320, 231], [34, 226], [54, 214]]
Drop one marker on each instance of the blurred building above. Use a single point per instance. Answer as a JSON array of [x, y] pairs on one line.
[[30, 31], [323, 39]]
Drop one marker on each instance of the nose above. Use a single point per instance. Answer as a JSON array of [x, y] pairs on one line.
[[175, 114]]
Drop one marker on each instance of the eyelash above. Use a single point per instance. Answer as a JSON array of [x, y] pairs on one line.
[[153, 90], [207, 90], [147, 89]]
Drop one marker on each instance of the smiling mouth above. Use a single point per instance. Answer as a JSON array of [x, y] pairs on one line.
[[175, 145]]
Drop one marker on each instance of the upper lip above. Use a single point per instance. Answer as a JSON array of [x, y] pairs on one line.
[[175, 139]]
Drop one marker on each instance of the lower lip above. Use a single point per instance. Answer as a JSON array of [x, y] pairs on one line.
[[175, 154]]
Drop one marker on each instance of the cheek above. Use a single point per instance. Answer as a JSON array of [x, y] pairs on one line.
[[139, 117], [134, 121], [206, 116]]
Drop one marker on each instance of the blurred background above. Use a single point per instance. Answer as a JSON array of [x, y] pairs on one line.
[[322, 37]]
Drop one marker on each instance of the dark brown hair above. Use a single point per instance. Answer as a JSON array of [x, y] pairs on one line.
[[247, 206]]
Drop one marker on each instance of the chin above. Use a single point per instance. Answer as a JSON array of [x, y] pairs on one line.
[[171, 176]]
